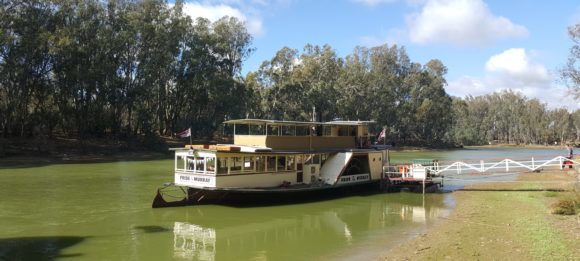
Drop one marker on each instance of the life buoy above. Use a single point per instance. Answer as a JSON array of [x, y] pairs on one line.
[[404, 169]]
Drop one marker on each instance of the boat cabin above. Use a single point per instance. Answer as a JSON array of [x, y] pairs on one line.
[[296, 135], [274, 154]]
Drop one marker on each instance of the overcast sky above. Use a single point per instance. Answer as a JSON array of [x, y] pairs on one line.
[[487, 46]]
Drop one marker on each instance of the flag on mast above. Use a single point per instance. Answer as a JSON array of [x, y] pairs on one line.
[[381, 135], [185, 133]]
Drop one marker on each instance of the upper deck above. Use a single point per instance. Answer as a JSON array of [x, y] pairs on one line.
[[300, 135]]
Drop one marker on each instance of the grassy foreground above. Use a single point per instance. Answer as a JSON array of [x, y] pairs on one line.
[[502, 221]]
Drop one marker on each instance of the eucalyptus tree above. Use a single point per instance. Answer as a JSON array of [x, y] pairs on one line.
[[576, 124], [571, 72], [318, 74], [283, 96], [24, 65], [560, 125], [354, 83], [208, 87]]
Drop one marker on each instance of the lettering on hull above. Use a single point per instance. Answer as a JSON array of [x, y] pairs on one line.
[[192, 180], [354, 178]]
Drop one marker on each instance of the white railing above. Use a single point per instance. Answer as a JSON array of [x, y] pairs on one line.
[[507, 164]]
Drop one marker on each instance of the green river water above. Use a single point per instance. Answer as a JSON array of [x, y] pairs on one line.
[[101, 211]]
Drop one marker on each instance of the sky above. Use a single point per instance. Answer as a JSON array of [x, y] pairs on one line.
[[487, 46]]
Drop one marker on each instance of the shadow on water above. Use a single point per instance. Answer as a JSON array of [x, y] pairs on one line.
[[37, 248], [35, 162], [153, 229]]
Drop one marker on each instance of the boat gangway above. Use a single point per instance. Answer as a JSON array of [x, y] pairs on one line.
[[423, 173], [436, 168]]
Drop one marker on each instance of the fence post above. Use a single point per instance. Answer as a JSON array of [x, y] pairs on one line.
[[561, 166], [507, 165], [533, 167], [482, 167]]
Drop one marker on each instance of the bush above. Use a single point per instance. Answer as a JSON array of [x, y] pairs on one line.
[[564, 207]]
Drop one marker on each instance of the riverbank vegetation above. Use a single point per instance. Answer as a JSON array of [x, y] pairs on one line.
[[510, 221], [136, 72]]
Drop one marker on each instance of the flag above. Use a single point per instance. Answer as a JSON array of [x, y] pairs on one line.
[[381, 135], [185, 133]]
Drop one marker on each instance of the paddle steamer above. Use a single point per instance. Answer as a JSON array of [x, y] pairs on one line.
[[272, 162]]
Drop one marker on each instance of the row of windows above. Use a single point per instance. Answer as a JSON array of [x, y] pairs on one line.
[[274, 130], [246, 164]]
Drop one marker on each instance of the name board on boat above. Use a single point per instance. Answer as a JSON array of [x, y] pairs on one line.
[[194, 180], [353, 178]]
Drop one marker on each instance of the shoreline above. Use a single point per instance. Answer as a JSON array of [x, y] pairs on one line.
[[502, 220]]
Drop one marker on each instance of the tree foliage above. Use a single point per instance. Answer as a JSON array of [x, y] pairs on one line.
[[571, 72], [509, 117], [379, 83], [117, 68], [141, 68]]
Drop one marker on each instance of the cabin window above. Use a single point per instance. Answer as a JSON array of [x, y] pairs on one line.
[[290, 163], [236, 164], [210, 164], [316, 159], [344, 131], [302, 131], [180, 163], [313, 159], [260, 164], [271, 165], [323, 158], [222, 165], [199, 165], [257, 129], [299, 162], [274, 130], [248, 164], [242, 129], [189, 163], [281, 166], [327, 131], [288, 131]]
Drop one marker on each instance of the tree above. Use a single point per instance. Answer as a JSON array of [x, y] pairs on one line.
[[571, 72]]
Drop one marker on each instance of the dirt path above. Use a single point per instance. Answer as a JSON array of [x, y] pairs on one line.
[[501, 221]]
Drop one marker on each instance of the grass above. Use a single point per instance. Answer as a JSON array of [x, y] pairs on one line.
[[551, 194], [503, 225], [546, 242]]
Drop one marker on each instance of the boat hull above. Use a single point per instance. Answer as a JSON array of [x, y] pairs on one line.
[[269, 196]]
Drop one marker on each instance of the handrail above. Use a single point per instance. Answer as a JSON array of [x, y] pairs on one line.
[[531, 165]]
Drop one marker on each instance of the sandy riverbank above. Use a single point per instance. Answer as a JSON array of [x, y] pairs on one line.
[[502, 221]]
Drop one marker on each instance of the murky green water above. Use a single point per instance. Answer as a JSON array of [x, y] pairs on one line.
[[101, 211]]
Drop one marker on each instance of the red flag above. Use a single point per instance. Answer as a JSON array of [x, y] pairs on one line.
[[185, 133], [381, 135]]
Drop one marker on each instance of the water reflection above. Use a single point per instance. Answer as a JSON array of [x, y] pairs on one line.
[[301, 231], [194, 242]]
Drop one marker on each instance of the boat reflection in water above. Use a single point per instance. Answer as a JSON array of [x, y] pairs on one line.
[[194, 242], [338, 229]]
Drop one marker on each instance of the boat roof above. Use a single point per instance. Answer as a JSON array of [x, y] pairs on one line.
[[297, 123], [266, 152]]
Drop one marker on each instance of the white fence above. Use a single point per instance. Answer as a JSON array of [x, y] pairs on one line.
[[506, 165]]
